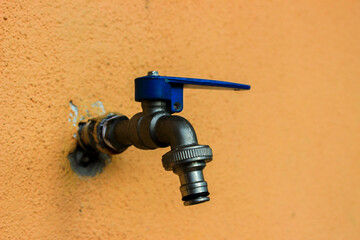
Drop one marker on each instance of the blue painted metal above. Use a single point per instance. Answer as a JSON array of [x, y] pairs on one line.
[[171, 88]]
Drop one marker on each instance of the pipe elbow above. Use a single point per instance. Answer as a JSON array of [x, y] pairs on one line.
[[175, 131]]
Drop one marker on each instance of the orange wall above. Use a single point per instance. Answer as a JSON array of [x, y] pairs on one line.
[[287, 152]]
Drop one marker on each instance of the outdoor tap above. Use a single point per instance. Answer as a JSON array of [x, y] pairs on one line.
[[156, 127]]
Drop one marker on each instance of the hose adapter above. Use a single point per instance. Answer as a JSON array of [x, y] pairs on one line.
[[188, 163]]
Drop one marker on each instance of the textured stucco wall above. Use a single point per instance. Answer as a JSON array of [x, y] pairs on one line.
[[287, 153]]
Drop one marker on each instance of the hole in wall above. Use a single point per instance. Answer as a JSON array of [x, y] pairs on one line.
[[85, 163]]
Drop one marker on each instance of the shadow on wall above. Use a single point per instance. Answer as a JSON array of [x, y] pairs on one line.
[[86, 163]]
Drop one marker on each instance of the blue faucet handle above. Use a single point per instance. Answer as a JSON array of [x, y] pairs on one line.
[[155, 87], [206, 83]]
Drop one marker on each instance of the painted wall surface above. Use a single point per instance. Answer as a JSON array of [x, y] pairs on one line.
[[286, 154]]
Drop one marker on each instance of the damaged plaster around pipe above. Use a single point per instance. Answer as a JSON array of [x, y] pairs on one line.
[[86, 163]]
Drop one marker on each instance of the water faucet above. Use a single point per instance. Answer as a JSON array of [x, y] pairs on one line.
[[156, 127]]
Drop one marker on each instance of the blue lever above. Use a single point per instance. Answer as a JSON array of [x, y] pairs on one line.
[[155, 87]]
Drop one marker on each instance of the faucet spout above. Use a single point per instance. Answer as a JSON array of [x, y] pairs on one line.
[[175, 131], [187, 158]]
